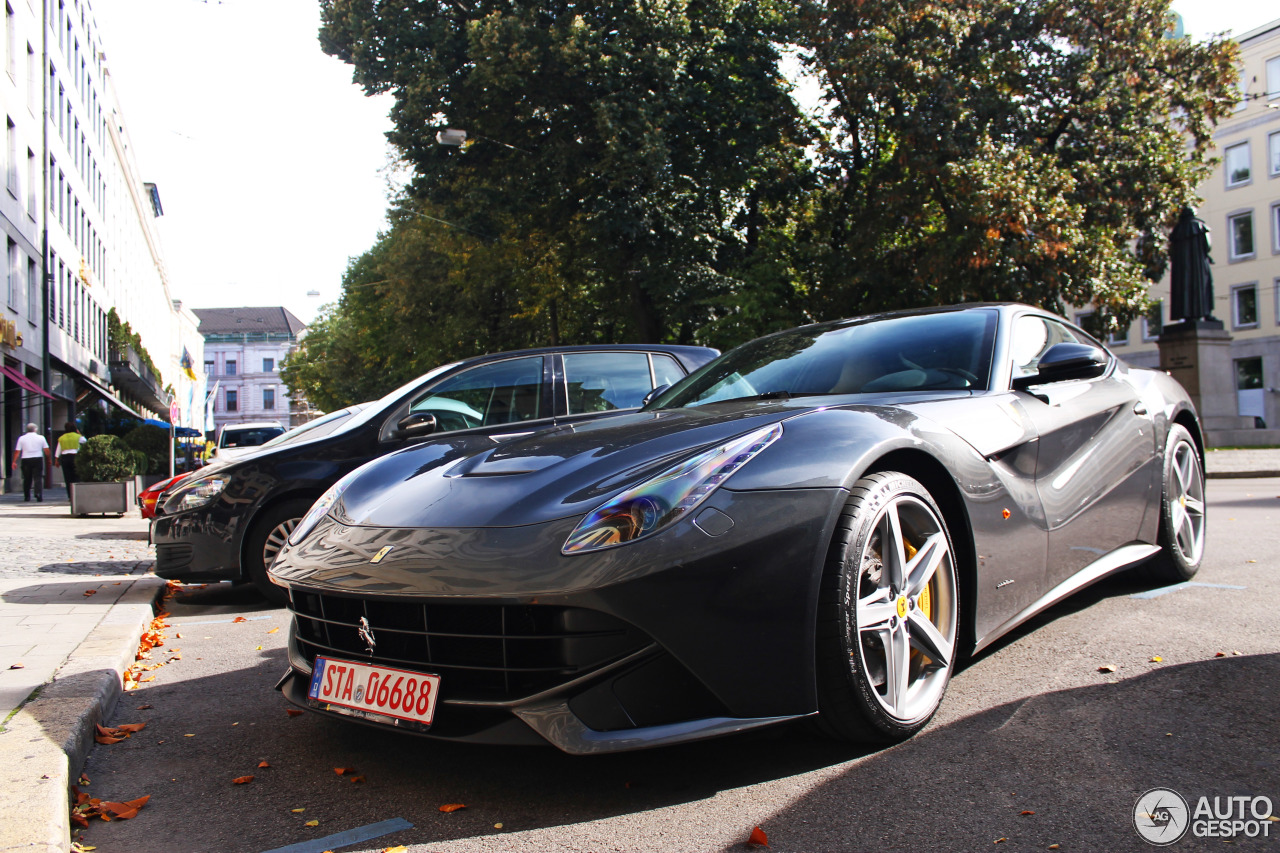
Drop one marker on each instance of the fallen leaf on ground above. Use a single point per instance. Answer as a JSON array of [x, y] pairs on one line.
[[1107, 668], [399, 848], [758, 838], [452, 807], [239, 619], [143, 708], [312, 823], [343, 770], [18, 666], [89, 592], [107, 741], [263, 764], [242, 780], [1156, 659], [131, 727], [1054, 846], [1001, 840], [1026, 813], [258, 649], [273, 630], [298, 811], [1220, 655], [292, 712]]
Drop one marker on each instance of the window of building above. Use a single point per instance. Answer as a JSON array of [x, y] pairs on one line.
[[12, 170], [231, 367], [33, 80], [1244, 306], [268, 365], [33, 292], [1153, 322], [208, 368], [1275, 228], [1273, 154], [12, 258], [268, 398], [1240, 235], [1273, 78], [10, 42], [32, 183], [1237, 161], [233, 400]]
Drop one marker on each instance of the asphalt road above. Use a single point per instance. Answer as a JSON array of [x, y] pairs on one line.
[[1034, 746]]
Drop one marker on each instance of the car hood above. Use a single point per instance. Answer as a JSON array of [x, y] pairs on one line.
[[568, 470]]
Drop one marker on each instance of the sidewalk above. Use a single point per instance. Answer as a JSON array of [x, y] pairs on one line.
[[62, 652]]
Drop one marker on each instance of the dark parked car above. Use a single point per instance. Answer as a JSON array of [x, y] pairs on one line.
[[228, 521], [819, 523]]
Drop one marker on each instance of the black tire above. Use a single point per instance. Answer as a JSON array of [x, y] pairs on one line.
[[266, 537], [1182, 512], [855, 663]]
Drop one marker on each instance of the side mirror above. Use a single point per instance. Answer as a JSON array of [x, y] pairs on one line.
[[416, 425], [653, 394], [1066, 361]]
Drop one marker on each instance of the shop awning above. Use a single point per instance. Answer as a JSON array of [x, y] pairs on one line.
[[102, 392], [18, 377]]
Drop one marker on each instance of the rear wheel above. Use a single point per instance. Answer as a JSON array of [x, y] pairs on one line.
[[1182, 517], [888, 613], [269, 534]]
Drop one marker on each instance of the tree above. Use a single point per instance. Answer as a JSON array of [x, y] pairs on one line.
[[617, 147], [1034, 150]]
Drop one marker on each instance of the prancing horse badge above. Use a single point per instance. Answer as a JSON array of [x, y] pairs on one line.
[[377, 558]]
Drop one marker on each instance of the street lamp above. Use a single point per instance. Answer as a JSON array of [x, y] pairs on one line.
[[457, 138]]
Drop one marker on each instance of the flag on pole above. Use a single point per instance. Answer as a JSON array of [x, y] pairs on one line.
[[188, 366]]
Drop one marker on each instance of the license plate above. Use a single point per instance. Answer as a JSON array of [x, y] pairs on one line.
[[363, 690]]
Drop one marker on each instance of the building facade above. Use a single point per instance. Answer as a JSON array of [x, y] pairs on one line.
[[243, 350], [1241, 206], [83, 257]]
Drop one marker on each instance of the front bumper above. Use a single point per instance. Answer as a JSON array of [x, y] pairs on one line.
[[192, 546], [683, 636]]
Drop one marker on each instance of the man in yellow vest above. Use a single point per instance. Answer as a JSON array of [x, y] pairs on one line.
[[65, 456]]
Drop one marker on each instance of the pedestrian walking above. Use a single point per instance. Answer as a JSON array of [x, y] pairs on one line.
[[33, 451], [65, 456]]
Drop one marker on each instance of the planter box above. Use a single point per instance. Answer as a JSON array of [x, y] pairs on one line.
[[89, 498]]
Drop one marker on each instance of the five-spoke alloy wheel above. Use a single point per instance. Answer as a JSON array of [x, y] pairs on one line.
[[889, 612]]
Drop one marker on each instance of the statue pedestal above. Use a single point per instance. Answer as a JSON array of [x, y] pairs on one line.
[[1197, 353]]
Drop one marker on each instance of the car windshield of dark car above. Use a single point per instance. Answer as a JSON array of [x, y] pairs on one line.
[[320, 427], [950, 350]]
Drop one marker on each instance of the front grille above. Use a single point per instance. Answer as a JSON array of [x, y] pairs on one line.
[[492, 652]]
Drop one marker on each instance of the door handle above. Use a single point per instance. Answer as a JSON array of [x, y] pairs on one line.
[[1139, 408]]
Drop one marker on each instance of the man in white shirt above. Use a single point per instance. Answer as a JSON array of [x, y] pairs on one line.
[[33, 450]]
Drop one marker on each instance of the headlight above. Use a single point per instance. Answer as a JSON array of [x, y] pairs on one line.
[[321, 508], [668, 497], [194, 494]]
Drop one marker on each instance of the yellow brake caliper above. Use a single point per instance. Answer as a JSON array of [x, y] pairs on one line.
[[925, 601]]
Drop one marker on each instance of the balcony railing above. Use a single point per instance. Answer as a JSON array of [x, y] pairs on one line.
[[133, 376]]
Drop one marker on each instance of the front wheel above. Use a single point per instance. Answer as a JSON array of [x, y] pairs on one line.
[[1182, 512], [888, 613], [267, 537]]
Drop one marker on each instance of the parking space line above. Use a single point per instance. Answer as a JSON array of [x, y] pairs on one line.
[[1156, 593], [342, 839]]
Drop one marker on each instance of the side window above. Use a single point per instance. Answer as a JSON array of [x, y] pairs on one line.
[[665, 370], [1032, 337], [505, 392], [602, 382]]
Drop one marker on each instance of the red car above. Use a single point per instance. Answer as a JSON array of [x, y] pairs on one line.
[[147, 497]]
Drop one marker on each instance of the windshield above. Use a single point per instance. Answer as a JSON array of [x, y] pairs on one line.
[[318, 428], [949, 350]]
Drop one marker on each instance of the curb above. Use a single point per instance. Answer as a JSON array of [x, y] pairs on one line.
[[48, 739]]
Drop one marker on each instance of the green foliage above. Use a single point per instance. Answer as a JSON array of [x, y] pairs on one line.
[[121, 335], [641, 172], [153, 443], [105, 459]]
